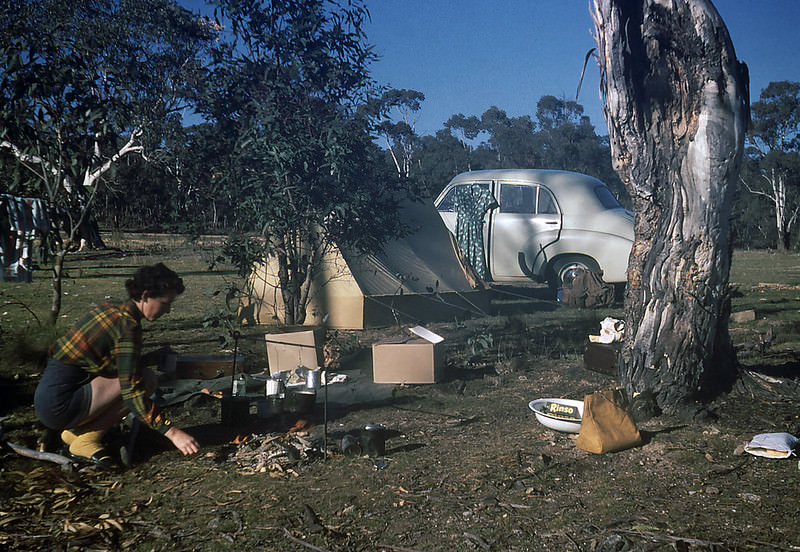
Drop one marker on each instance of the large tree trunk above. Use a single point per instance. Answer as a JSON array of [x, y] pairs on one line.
[[676, 107]]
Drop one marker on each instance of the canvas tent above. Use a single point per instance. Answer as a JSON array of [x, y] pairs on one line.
[[416, 279]]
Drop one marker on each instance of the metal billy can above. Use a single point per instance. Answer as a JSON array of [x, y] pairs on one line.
[[239, 386], [312, 379]]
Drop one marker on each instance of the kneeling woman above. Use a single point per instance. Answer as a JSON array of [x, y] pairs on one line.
[[96, 373]]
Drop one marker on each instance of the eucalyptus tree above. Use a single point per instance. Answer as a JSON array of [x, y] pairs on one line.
[[466, 130], [84, 83], [565, 139], [441, 157], [676, 106], [510, 138], [394, 115], [553, 112], [774, 152], [560, 137], [301, 169]]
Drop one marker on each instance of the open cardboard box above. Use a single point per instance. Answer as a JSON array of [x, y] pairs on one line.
[[290, 350], [413, 359]]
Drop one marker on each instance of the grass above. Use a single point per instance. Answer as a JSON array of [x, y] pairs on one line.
[[25, 333], [764, 266], [764, 282], [768, 284], [470, 469]]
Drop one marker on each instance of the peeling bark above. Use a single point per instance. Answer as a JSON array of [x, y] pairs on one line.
[[676, 107]]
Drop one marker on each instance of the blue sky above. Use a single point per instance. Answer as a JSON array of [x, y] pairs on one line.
[[467, 55]]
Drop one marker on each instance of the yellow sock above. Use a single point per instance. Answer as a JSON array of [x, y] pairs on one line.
[[68, 436], [87, 444]]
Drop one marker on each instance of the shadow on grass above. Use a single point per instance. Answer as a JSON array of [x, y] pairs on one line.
[[789, 369], [647, 436], [508, 300], [15, 394]]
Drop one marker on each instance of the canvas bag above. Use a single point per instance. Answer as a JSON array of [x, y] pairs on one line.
[[588, 290], [606, 425]]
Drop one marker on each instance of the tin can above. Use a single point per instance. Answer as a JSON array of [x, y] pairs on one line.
[[239, 386], [312, 379], [274, 387], [373, 440]]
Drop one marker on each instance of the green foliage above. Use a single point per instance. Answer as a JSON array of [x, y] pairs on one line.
[[228, 318], [771, 170], [285, 142], [394, 115], [776, 117], [299, 167], [82, 85], [243, 252], [238, 305], [480, 344], [78, 77], [26, 340], [560, 137]]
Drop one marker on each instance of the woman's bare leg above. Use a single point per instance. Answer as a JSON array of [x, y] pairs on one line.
[[107, 409]]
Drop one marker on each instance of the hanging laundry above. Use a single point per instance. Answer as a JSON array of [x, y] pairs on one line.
[[22, 219], [471, 204]]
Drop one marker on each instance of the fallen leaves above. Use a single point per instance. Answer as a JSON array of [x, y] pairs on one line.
[[47, 504], [85, 528]]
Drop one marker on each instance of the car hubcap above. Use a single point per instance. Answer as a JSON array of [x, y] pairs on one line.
[[569, 273]]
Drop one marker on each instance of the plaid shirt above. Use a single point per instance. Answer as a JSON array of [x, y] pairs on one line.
[[108, 342]]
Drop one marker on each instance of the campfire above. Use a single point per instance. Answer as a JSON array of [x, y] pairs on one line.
[[276, 454]]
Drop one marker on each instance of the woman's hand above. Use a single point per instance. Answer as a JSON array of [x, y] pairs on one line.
[[182, 441]]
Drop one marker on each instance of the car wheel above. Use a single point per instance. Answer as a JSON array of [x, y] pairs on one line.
[[564, 269]]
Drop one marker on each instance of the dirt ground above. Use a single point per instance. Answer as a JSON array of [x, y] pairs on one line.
[[466, 467]]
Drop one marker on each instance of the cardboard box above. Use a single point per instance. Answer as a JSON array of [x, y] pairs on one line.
[[287, 351], [602, 357], [409, 359]]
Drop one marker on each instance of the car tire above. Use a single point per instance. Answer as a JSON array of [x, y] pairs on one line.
[[561, 269]]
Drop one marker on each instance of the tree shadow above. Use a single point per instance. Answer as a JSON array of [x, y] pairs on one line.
[[789, 369], [647, 436], [15, 394], [525, 299]]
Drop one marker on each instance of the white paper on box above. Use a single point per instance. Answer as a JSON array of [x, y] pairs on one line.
[[426, 334]]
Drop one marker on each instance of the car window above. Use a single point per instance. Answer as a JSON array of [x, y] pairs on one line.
[[547, 204], [517, 199], [606, 198], [448, 203]]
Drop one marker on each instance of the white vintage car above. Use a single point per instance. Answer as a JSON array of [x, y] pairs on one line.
[[545, 224]]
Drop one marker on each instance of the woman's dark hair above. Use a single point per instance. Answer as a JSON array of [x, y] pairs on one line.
[[157, 280]]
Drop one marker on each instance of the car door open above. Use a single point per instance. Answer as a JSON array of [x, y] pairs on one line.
[[525, 224]]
